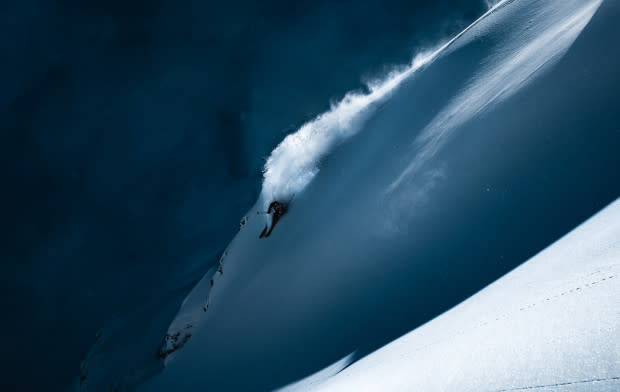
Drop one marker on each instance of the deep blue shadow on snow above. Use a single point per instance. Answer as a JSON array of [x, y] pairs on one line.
[[131, 143]]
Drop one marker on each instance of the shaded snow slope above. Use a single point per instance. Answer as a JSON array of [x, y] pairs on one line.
[[552, 324], [295, 161], [503, 142]]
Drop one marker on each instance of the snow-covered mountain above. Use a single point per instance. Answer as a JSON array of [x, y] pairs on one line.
[[411, 197]]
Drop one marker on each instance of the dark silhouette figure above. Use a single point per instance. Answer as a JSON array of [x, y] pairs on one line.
[[276, 209]]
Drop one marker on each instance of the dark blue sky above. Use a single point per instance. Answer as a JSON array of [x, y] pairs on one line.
[[132, 137]]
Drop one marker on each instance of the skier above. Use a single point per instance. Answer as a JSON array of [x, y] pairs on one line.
[[276, 209]]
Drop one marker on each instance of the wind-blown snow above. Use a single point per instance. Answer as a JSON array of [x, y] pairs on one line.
[[491, 3], [295, 161], [513, 174], [511, 67]]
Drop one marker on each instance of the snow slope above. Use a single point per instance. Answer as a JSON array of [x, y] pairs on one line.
[[500, 142], [552, 324]]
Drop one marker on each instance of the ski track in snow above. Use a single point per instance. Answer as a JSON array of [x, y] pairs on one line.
[[563, 384], [567, 293]]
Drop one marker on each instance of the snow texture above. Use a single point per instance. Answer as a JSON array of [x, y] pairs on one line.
[[409, 215], [319, 377], [294, 162], [553, 324]]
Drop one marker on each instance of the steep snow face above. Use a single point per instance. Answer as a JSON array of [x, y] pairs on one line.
[[553, 324], [514, 123], [522, 55], [294, 162]]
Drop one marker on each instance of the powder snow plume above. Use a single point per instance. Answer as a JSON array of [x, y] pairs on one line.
[[294, 162]]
